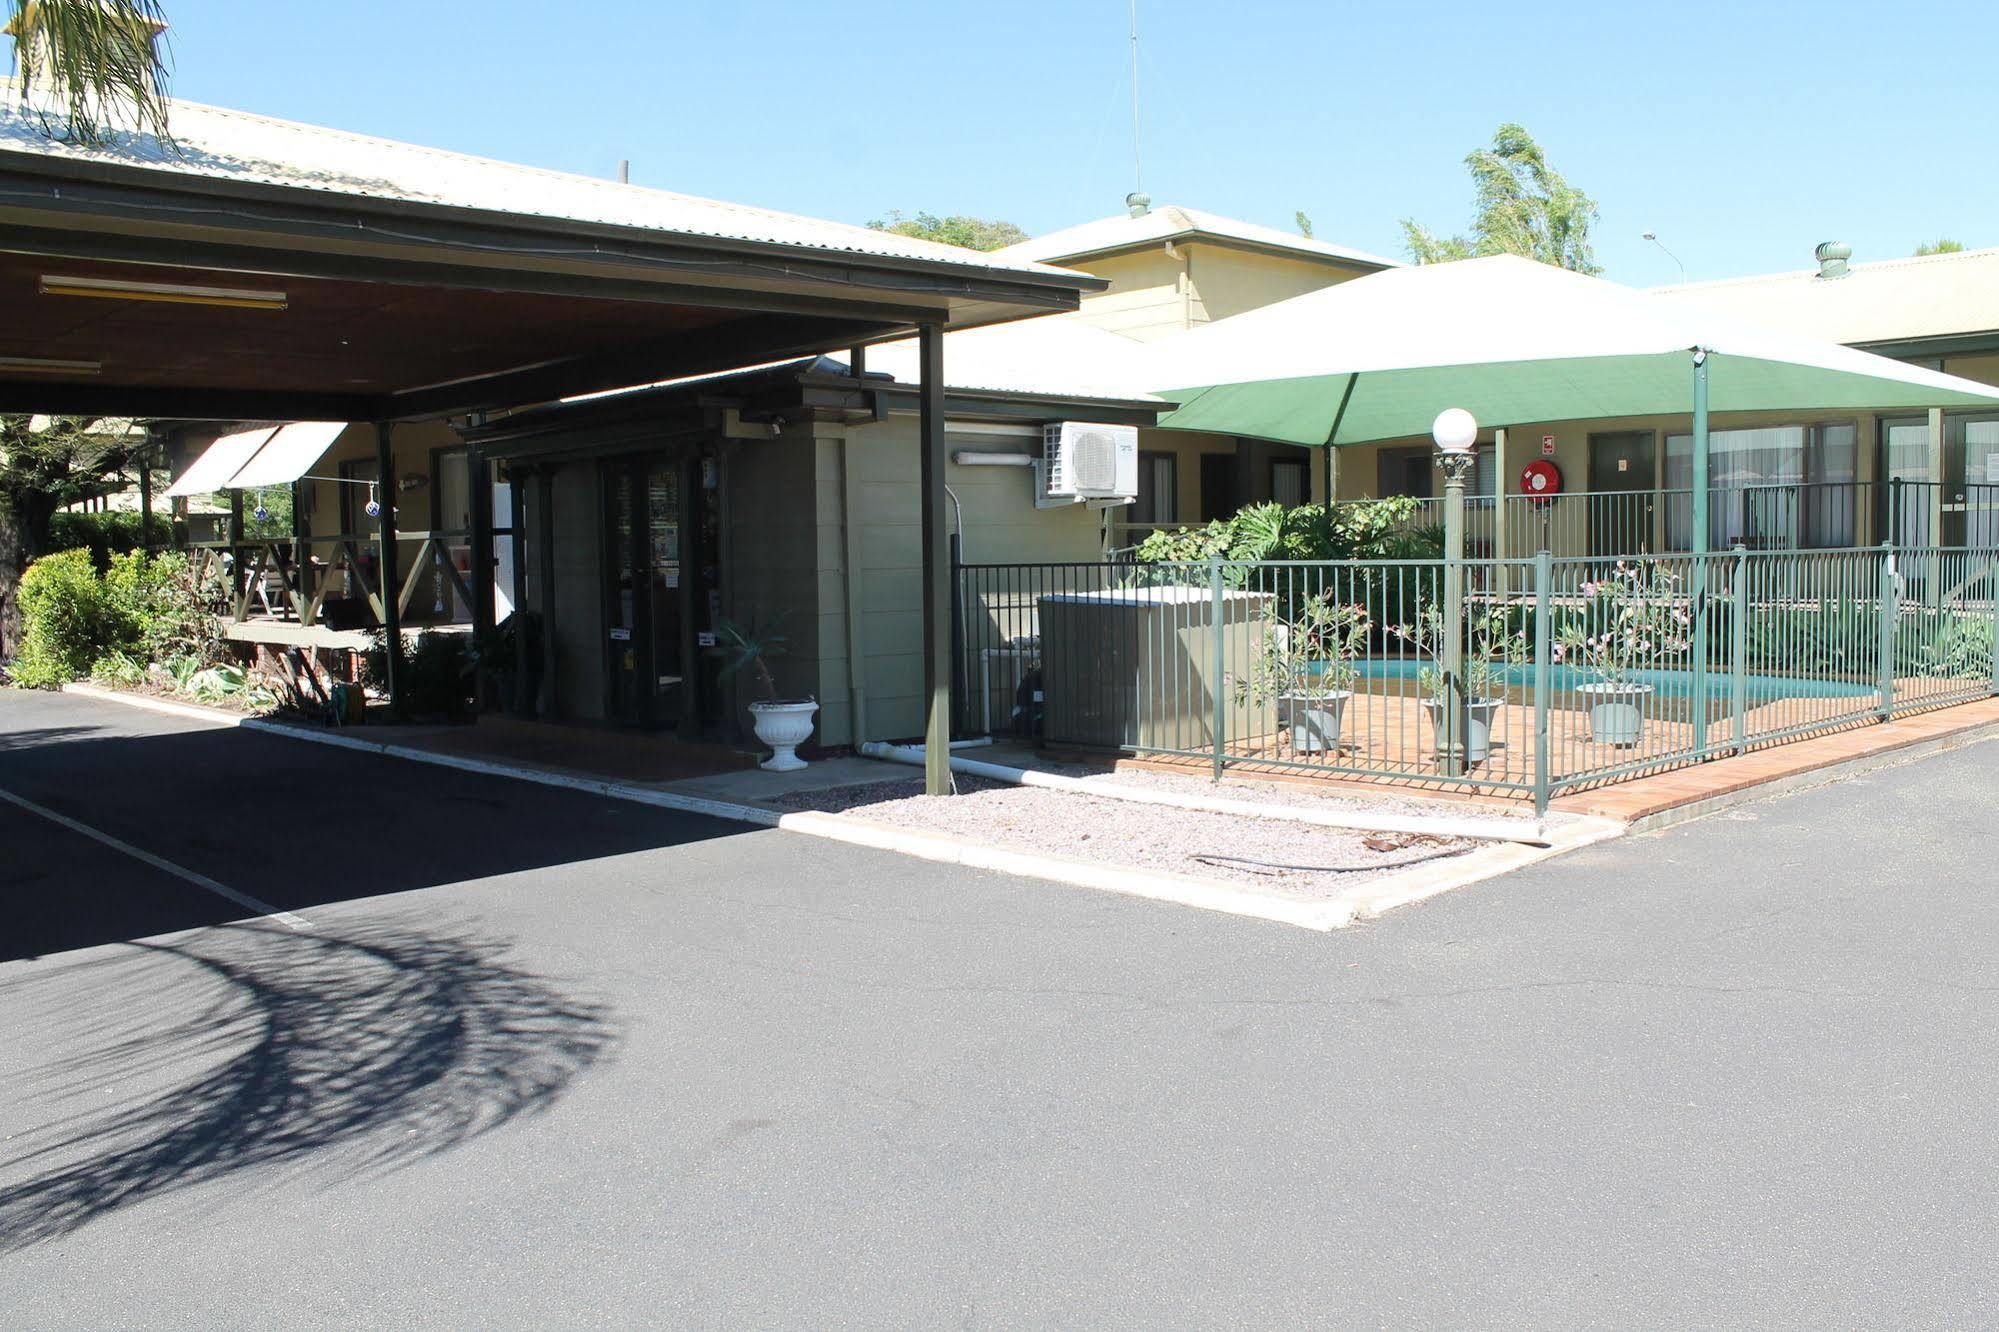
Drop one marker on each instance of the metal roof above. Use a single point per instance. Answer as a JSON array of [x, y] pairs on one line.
[[1171, 222], [221, 144], [1887, 300]]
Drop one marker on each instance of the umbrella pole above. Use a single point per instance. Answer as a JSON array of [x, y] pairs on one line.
[[1697, 577]]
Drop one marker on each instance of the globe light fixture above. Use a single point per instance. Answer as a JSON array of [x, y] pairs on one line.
[[1455, 430]]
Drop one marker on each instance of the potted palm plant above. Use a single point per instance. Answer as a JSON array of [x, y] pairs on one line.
[[1630, 621], [1306, 664], [782, 723], [1489, 651]]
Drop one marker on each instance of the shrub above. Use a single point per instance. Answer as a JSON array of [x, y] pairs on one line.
[[437, 672], [159, 606], [66, 618]]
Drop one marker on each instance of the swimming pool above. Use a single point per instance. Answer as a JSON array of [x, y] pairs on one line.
[[1665, 684]]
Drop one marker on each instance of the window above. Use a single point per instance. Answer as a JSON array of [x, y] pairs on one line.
[[1158, 487], [1414, 472], [1770, 487], [1289, 481]]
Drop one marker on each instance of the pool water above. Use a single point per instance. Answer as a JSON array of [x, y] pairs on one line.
[[1720, 685]]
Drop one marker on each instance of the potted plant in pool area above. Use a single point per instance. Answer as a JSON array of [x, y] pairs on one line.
[[1631, 620], [1306, 664], [782, 723], [1491, 648]]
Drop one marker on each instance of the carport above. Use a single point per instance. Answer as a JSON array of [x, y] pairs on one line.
[[269, 271]]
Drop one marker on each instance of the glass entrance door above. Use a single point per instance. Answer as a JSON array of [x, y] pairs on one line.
[[646, 602]]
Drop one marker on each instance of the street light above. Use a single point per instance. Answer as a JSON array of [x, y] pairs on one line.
[[1456, 431], [1653, 236]]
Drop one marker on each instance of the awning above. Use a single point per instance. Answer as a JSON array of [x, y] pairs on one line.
[[220, 461], [263, 456], [289, 454], [1514, 343]]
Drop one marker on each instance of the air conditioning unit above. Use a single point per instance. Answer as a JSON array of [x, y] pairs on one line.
[[1081, 460]]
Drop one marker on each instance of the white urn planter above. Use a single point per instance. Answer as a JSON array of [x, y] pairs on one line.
[[1479, 716], [1616, 711], [1315, 719], [784, 726]]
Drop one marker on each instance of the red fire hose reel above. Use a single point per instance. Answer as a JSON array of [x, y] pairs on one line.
[[1540, 479]]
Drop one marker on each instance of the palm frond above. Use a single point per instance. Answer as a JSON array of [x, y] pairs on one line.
[[101, 58]]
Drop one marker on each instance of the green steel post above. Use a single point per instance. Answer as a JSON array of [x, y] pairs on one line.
[[1544, 577], [1218, 662], [1992, 591], [1739, 653], [1698, 575], [1890, 612]]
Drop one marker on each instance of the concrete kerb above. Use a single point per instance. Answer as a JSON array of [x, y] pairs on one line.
[[721, 809], [1365, 901]]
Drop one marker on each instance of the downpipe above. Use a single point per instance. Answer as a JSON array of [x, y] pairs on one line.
[[1482, 830]]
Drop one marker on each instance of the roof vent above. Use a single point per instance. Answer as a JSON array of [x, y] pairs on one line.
[[1137, 204], [1832, 257]]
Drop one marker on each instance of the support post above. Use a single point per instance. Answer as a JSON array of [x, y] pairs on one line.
[[1933, 538], [146, 497], [1218, 666], [1739, 651], [1500, 471], [1890, 613], [1454, 717], [936, 564], [301, 557], [385, 560], [1544, 578], [1697, 579], [544, 540], [479, 478]]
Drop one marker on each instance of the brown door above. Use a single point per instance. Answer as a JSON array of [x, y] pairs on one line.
[[1623, 481]]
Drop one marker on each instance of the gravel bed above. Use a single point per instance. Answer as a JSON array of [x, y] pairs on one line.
[[1272, 854], [1298, 795]]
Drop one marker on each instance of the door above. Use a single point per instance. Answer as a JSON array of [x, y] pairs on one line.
[[1623, 480], [646, 595], [1219, 496]]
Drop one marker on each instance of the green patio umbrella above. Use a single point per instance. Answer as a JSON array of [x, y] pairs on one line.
[[1513, 342]]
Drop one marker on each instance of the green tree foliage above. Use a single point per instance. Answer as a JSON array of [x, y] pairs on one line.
[[1941, 245], [101, 60], [48, 463], [1524, 207], [1304, 223], [968, 233]]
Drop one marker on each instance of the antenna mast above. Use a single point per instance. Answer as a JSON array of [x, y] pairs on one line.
[[1137, 162]]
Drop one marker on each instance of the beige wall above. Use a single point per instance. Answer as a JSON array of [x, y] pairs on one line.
[[1983, 368], [1154, 293], [866, 475]]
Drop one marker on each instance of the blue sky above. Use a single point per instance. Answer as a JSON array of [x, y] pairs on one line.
[[1742, 134]]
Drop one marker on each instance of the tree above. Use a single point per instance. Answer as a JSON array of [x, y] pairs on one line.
[[1304, 223], [1941, 245], [968, 233], [101, 58], [48, 463], [1525, 207]]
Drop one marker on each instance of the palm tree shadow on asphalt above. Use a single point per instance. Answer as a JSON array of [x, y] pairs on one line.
[[275, 1049]]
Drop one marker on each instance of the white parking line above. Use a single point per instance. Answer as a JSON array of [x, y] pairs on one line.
[[201, 881]]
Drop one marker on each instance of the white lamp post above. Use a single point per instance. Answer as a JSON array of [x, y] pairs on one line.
[[1455, 430]]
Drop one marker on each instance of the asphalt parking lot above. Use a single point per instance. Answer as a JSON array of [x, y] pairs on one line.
[[514, 1056]]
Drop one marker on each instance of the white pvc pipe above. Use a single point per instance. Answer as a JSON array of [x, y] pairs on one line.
[[1486, 830]]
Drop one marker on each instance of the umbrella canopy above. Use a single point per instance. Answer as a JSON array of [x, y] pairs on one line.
[[1513, 342]]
